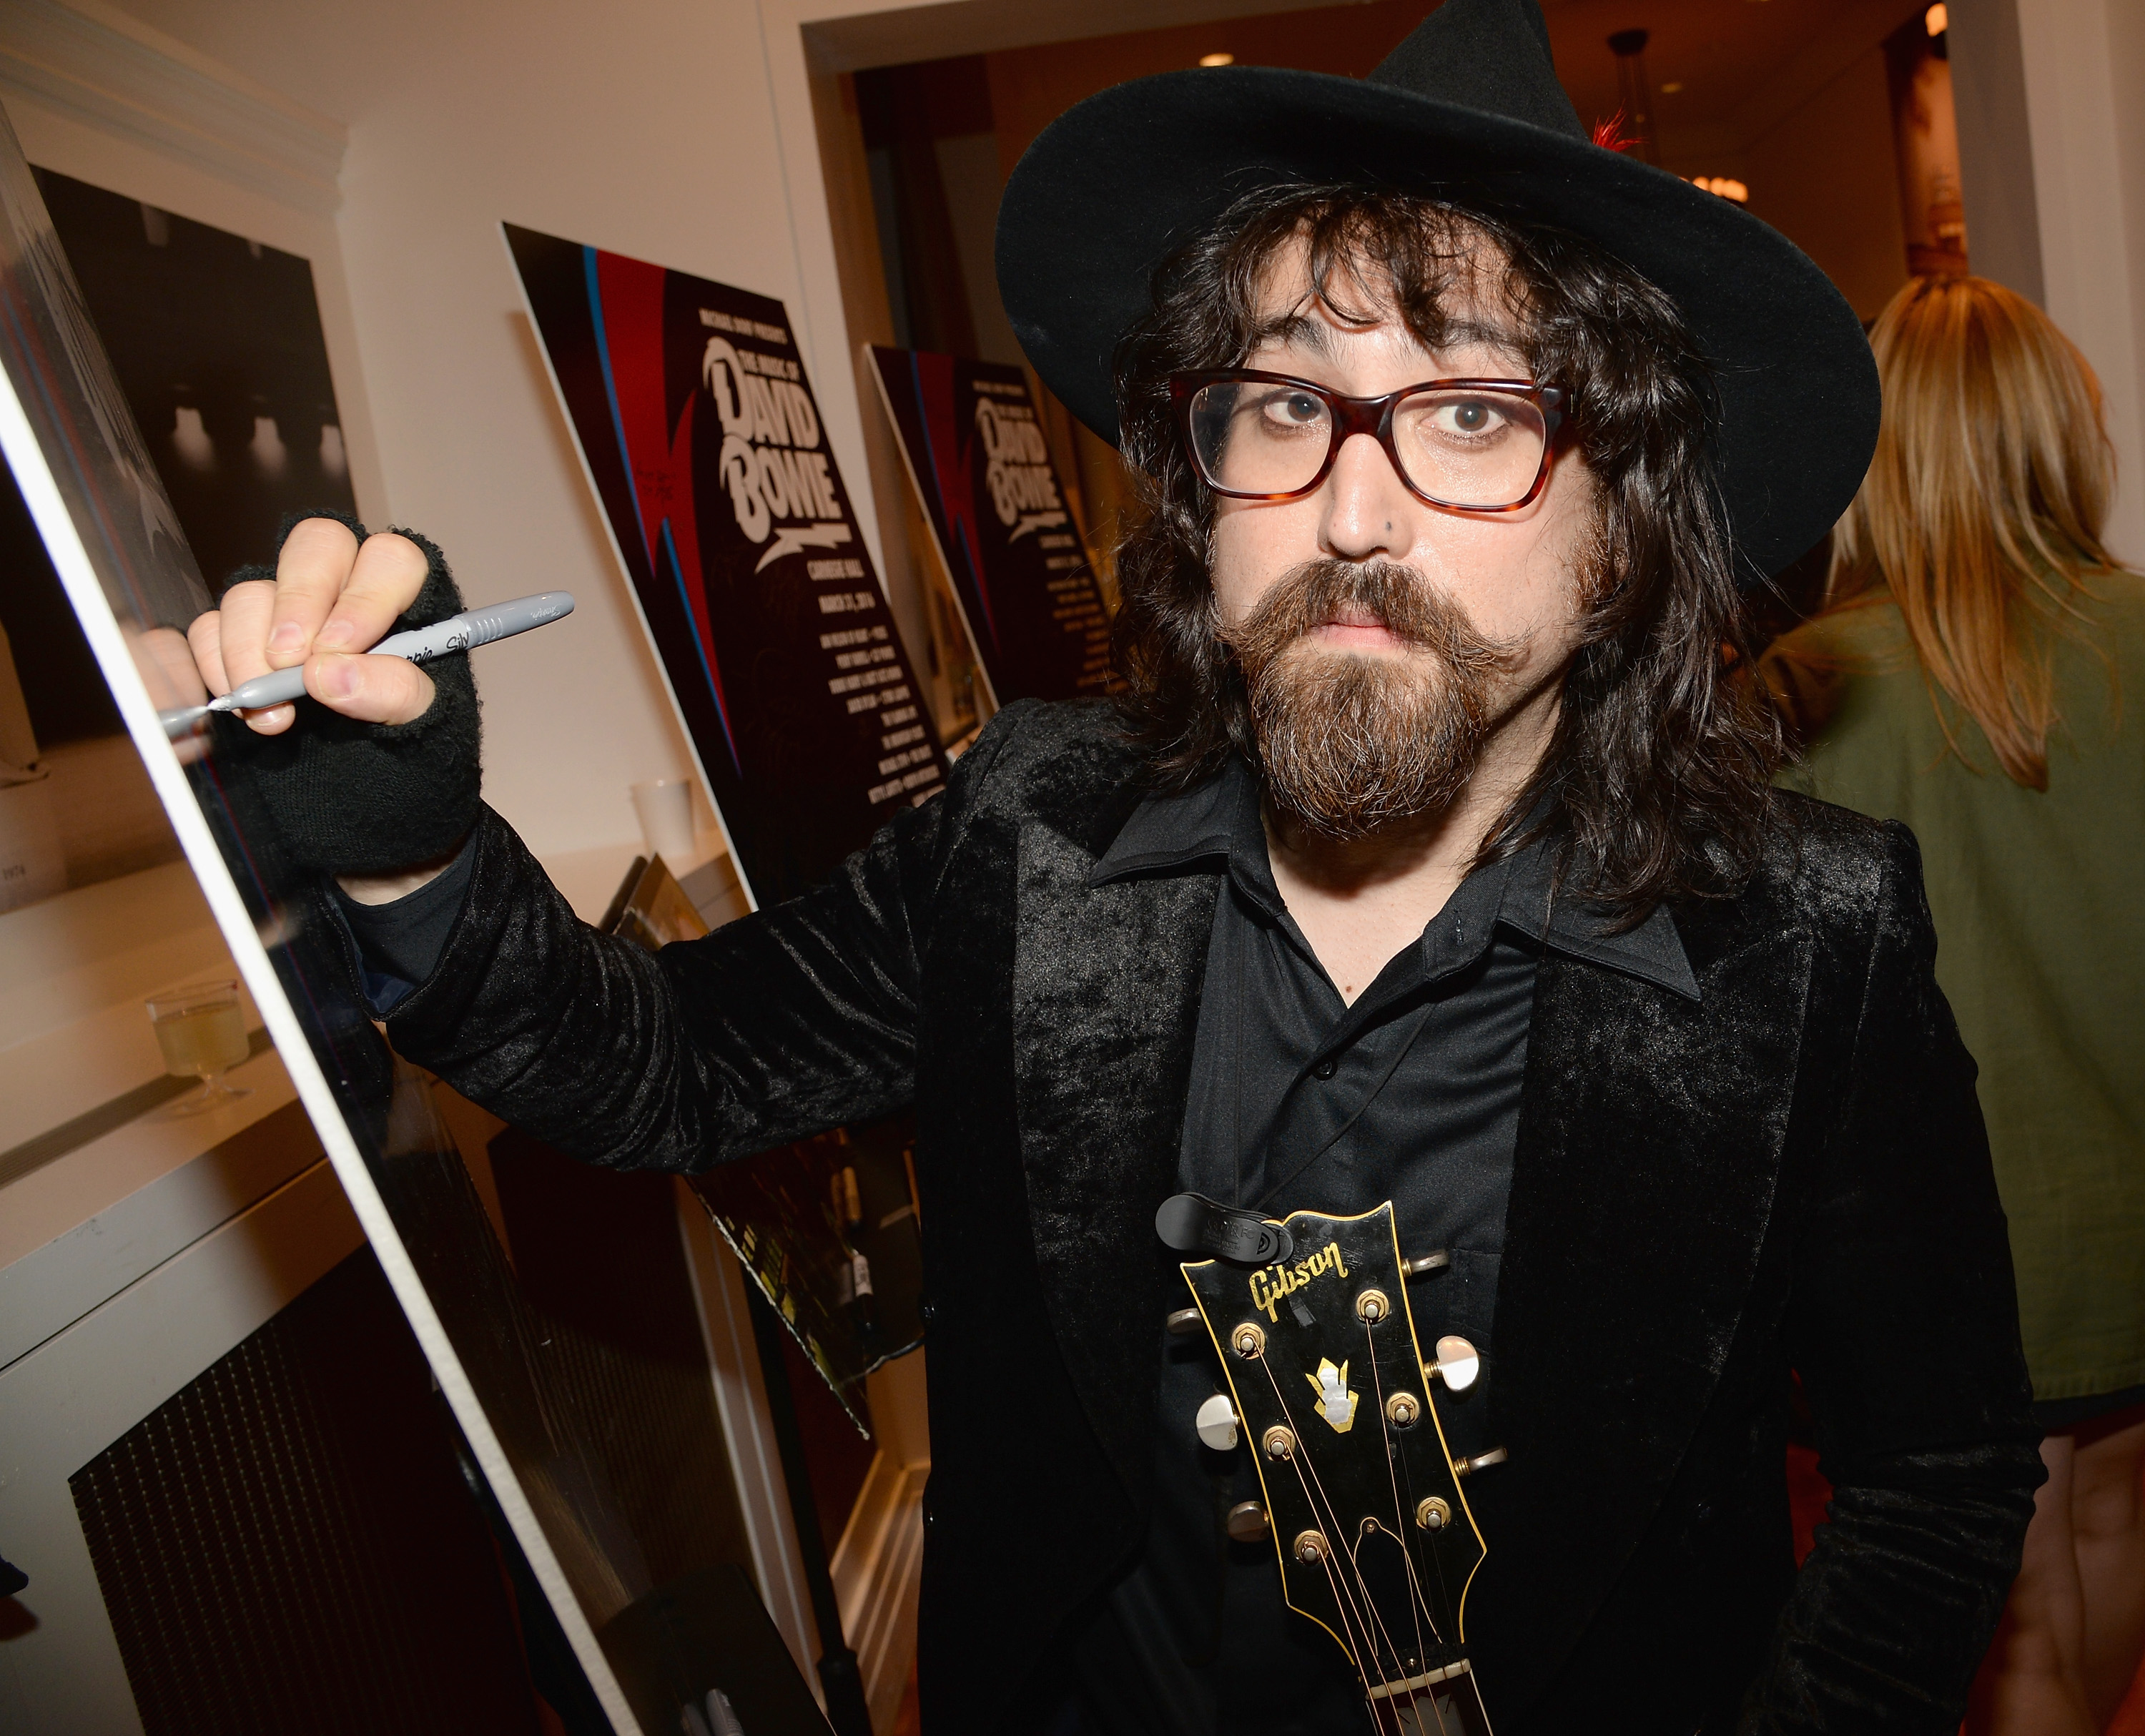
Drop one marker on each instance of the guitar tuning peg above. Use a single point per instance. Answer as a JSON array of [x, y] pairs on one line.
[[1480, 1461], [1458, 1363], [1247, 1522], [1436, 1261], [1183, 1323], [1217, 1423]]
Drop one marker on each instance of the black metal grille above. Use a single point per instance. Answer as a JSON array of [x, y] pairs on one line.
[[285, 1545]]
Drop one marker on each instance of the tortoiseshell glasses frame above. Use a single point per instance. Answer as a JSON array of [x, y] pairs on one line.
[[1348, 416]]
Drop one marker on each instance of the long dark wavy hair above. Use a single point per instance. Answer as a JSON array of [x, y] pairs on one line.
[[1657, 779]]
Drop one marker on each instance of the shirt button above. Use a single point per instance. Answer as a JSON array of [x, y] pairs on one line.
[[1325, 1069]]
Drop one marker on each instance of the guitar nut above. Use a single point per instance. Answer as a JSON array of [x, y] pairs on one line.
[[1432, 1514], [1373, 1306], [1403, 1409], [1279, 1443], [1248, 1341]]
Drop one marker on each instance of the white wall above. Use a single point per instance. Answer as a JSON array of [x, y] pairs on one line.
[[2085, 69], [1995, 145]]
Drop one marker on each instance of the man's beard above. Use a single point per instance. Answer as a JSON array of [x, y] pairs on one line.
[[1351, 744]]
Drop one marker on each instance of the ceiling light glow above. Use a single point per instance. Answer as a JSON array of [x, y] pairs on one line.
[[1217, 60], [1724, 187]]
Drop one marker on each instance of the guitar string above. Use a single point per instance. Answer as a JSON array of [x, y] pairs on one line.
[[1418, 1609], [1341, 1603], [1400, 1663], [1385, 1436], [1416, 1593], [1342, 1606], [1423, 1663], [1323, 1510], [1419, 1601], [1344, 1595], [1354, 1651], [1416, 1612], [1299, 1461], [1333, 1521], [1482, 1712], [1363, 1654], [1444, 1590], [1436, 1561], [1436, 1555]]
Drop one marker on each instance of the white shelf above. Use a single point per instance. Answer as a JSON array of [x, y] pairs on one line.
[[80, 1230]]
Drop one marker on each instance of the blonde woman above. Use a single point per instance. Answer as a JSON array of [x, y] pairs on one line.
[[1978, 672]]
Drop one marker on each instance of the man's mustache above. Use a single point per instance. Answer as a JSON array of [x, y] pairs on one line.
[[1398, 598], [1349, 744]]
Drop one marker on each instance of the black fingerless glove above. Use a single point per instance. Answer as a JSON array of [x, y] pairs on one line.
[[372, 799]]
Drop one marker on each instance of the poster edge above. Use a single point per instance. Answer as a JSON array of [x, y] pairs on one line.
[[26, 458], [923, 507], [617, 554]]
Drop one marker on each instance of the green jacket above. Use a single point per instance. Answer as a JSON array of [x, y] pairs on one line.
[[2040, 904]]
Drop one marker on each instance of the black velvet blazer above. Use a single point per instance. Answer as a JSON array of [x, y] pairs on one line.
[[1789, 1173]]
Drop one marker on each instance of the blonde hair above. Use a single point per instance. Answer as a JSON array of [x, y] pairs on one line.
[[1981, 512]]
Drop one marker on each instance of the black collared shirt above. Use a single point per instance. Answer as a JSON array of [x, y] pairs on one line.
[[1299, 1101]]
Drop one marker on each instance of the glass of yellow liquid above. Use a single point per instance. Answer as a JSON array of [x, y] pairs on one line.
[[202, 1029]]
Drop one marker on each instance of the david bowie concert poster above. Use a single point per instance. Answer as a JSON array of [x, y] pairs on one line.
[[982, 471], [703, 441]]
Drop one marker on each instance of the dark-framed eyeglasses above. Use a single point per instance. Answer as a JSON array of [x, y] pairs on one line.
[[1471, 445]]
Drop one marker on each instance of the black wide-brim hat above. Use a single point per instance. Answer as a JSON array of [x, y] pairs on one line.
[[1467, 108]]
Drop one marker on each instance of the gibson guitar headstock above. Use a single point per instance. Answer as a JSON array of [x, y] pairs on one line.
[[1332, 1392]]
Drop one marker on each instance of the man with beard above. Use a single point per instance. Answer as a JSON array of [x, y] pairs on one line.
[[1429, 857]]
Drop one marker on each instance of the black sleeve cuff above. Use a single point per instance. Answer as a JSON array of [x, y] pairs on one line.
[[399, 944]]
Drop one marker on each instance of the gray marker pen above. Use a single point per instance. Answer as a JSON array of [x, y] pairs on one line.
[[463, 631]]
